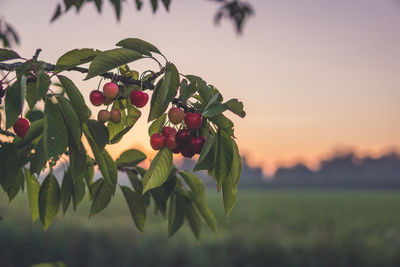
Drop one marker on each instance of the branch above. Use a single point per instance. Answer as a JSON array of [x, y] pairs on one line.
[[108, 75], [7, 133]]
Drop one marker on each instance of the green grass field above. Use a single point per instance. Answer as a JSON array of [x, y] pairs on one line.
[[266, 228]]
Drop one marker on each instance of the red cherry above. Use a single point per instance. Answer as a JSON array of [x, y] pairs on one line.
[[21, 127], [197, 143], [157, 141], [193, 120], [96, 97], [108, 101], [176, 115], [139, 98], [187, 152], [170, 142], [116, 115], [103, 116], [182, 137], [110, 90], [166, 131]]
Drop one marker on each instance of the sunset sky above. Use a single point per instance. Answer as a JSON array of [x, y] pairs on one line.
[[313, 75]]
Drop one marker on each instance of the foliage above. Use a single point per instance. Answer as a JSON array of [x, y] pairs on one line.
[[59, 120]]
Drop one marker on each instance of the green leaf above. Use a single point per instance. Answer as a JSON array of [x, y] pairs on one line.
[[161, 193], [117, 131], [13, 103], [52, 264], [75, 58], [49, 200], [135, 181], [176, 214], [166, 4], [15, 185], [33, 187], [67, 188], [111, 59], [72, 121], [236, 107], [204, 91], [89, 173], [31, 93], [186, 90], [79, 190], [136, 206], [111, 166], [206, 159], [229, 187], [40, 157], [157, 124], [101, 196], [193, 217], [130, 158], [76, 98], [165, 92], [154, 5], [222, 122], [159, 170], [223, 157], [198, 196], [117, 8], [9, 164], [57, 138], [42, 84], [98, 156], [6, 54], [99, 133], [34, 115], [139, 46], [214, 111]]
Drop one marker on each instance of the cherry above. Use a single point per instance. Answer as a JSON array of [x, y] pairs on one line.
[[182, 137], [197, 143], [116, 115], [21, 127], [187, 152], [170, 142], [139, 98], [110, 90], [177, 150], [96, 97], [176, 115], [166, 131], [103, 116], [193, 120], [157, 141]]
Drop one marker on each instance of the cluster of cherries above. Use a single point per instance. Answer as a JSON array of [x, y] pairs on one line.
[[107, 97], [183, 141]]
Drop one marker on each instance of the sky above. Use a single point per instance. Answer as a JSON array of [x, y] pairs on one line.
[[314, 76]]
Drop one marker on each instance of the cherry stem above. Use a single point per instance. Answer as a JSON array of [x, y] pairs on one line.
[[98, 87]]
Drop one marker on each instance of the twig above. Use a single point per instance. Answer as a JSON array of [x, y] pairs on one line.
[[35, 57], [7, 133]]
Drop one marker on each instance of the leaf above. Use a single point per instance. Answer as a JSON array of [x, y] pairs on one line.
[[76, 98], [157, 124], [6, 54], [99, 132], [223, 157], [229, 187], [42, 84], [138, 45], [72, 121], [40, 157], [34, 115], [222, 122], [117, 8], [57, 13], [75, 58], [165, 92], [135, 181], [130, 158], [89, 173], [176, 214], [51, 264], [57, 138], [101, 197], [187, 91], [166, 4], [117, 131], [236, 107], [214, 111], [111, 166], [31, 93], [49, 200], [204, 91], [67, 188], [198, 196], [79, 190], [193, 217], [159, 170], [111, 59], [9, 167], [136, 206], [154, 5], [35, 130], [33, 187], [16, 184], [13, 103], [161, 193]]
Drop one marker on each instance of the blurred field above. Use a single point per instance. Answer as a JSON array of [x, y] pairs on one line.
[[267, 228]]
